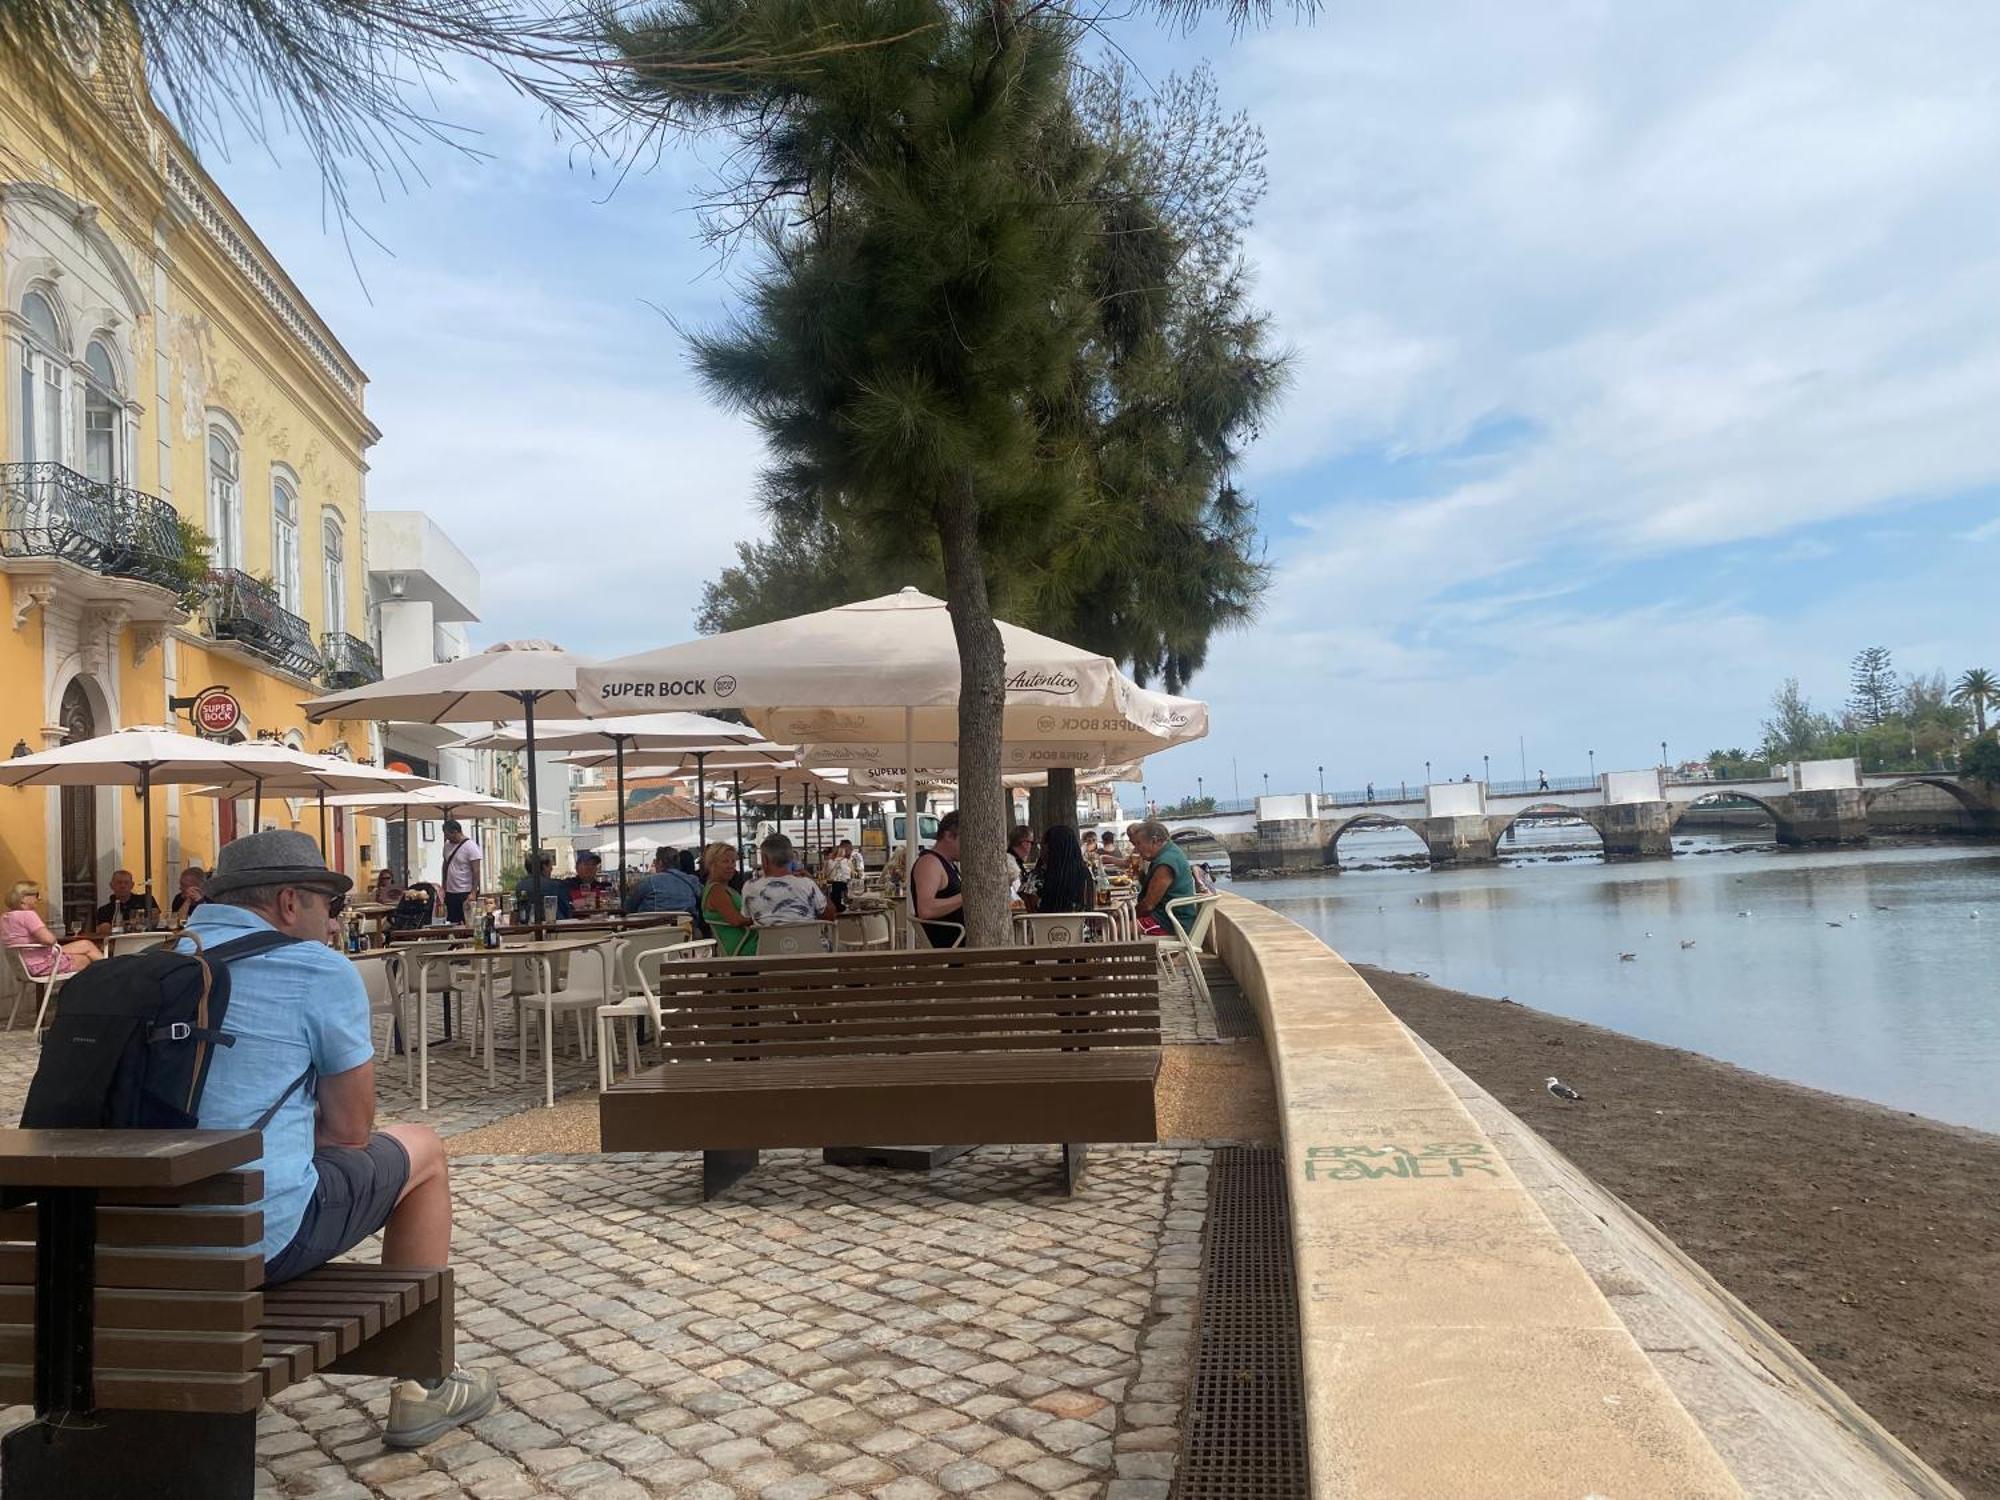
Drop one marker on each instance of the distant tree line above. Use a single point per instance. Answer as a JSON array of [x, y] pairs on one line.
[[1922, 721]]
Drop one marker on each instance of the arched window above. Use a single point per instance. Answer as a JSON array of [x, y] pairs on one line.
[[43, 363], [225, 496], [103, 417], [285, 542], [335, 538]]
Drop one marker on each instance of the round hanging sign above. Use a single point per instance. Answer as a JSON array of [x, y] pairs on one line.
[[216, 711]]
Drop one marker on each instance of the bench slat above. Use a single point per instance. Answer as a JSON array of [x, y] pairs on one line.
[[324, 1340], [758, 1048], [155, 1350], [154, 1227], [116, 1307], [225, 1189], [972, 1069], [142, 1391], [367, 1317], [194, 1270], [944, 987]]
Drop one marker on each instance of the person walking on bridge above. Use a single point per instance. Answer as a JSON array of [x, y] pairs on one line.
[[1543, 777]]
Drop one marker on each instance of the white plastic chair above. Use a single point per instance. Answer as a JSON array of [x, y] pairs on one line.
[[1190, 918], [1043, 929], [649, 970], [43, 985], [790, 938], [388, 1002], [636, 944], [125, 944], [585, 991]]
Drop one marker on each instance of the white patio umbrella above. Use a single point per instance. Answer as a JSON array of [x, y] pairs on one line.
[[309, 775], [758, 755], [693, 735], [147, 756], [437, 799], [512, 680], [878, 670]]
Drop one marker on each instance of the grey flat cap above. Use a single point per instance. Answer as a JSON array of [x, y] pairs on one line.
[[276, 856]]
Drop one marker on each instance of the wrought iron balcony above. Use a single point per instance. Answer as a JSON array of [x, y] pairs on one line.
[[350, 663], [246, 610], [51, 511]]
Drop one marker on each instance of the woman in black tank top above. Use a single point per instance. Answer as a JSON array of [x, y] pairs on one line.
[[943, 926]]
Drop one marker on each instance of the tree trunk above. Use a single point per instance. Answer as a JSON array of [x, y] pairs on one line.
[[1062, 795], [982, 699]]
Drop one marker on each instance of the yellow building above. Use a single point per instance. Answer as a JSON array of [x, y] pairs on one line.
[[160, 368]]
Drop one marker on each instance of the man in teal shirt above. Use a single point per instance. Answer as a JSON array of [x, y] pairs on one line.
[[303, 1053], [1169, 877]]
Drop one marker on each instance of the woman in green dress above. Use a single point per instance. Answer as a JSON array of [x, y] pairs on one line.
[[735, 935]]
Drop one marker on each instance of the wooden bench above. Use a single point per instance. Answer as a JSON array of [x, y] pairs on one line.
[[133, 1316], [991, 1046]]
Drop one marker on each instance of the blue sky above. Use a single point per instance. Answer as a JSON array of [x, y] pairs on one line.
[[1646, 355]]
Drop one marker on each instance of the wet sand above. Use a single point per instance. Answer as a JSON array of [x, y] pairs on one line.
[[1869, 1237]]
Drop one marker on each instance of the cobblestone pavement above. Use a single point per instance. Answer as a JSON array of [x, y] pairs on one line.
[[822, 1333]]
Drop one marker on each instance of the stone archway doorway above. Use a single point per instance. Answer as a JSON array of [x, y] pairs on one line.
[[79, 817]]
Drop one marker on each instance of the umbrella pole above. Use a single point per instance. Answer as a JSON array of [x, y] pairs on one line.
[[146, 821], [618, 744], [406, 843], [322, 822], [256, 803], [910, 816], [736, 783], [534, 810], [701, 797]]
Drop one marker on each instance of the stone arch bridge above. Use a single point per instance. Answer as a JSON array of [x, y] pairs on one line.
[[1813, 803]]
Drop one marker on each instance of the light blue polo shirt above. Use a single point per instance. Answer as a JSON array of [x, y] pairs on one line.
[[297, 1006]]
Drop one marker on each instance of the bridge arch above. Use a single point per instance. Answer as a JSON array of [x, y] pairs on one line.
[[1373, 821], [1682, 809], [1943, 783], [1540, 811]]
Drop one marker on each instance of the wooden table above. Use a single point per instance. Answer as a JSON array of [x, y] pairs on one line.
[[540, 949], [62, 1172]]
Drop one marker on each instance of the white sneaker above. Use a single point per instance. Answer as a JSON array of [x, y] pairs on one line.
[[420, 1414]]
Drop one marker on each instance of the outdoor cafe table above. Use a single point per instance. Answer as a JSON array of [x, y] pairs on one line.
[[541, 950]]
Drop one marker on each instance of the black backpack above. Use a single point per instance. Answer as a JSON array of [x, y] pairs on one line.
[[133, 1038]]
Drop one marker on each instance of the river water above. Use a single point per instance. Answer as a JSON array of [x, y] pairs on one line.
[[1899, 1004]]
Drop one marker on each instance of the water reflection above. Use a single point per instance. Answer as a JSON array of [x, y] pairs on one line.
[[1863, 972]]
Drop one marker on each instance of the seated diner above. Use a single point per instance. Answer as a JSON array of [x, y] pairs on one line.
[[1060, 881], [1168, 878], [668, 888], [778, 897], [42, 952], [127, 907], [735, 934], [589, 892], [552, 890], [937, 895], [191, 894]]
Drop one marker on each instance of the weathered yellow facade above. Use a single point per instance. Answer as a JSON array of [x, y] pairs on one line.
[[155, 356]]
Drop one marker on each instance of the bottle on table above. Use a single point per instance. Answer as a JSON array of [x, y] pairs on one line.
[[490, 930]]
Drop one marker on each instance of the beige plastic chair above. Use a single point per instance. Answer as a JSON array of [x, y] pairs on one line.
[[41, 986], [1190, 917], [792, 938], [1039, 929], [637, 944], [863, 931], [920, 936], [650, 979]]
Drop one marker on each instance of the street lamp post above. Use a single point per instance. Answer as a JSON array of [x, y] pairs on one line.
[[1663, 755], [1322, 783], [1267, 783], [1427, 773], [1593, 766], [1486, 761], [1199, 794]]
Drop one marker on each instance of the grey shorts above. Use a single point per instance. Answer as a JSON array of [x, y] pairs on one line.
[[358, 1189]]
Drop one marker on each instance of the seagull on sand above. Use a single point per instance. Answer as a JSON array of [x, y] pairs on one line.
[[1687, 942], [1833, 924], [1626, 958], [1563, 1091]]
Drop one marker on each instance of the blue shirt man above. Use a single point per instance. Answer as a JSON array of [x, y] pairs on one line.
[[668, 888], [297, 1007]]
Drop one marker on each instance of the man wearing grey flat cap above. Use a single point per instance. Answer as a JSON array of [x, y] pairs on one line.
[[299, 1015]]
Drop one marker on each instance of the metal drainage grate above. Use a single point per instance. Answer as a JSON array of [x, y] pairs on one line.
[[1244, 1436], [1234, 1016]]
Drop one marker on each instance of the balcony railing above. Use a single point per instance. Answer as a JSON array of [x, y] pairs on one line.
[[350, 663], [51, 511], [246, 610]]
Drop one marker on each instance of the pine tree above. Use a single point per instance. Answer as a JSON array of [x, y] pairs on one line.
[[1872, 686]]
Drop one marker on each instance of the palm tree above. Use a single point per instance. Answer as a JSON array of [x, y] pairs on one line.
[[1977, 690]]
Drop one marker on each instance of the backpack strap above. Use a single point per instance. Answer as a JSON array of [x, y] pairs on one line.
[[250, 945], [272, 1113]]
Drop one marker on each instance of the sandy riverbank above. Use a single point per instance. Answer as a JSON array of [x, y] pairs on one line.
[[1869, 1237]]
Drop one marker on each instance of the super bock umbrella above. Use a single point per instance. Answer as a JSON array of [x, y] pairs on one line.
[[439, 799], [145, 757], [308, 775], [755, 753], [513, 680]]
